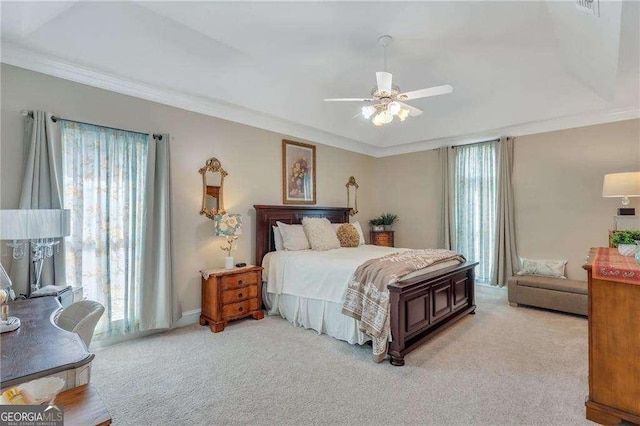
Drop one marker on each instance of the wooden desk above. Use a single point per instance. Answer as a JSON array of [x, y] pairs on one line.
[[83, 406], [614, 347], [39, 348]]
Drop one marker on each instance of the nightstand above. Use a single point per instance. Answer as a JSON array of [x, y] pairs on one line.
[[382, 238], [230, 294]]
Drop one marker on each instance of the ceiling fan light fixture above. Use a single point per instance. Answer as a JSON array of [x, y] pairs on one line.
[[368, 111], [403, 114], [394, 108], [377, 121], [386, 117]]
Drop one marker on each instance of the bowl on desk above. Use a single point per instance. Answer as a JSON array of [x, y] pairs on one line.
[[35, 392]]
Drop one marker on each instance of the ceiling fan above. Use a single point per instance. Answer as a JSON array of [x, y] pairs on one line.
[[386, 100]]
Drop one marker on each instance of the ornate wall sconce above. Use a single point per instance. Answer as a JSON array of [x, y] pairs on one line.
[[352, 183], [212, 188]]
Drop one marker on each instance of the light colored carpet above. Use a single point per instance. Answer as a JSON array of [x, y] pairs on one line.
[[503, 366]]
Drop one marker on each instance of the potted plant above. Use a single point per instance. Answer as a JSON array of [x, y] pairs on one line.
[[376, 224], [388, 219], [626, 242]]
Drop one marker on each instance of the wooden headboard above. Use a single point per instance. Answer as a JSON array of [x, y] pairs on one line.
[[267, 216]]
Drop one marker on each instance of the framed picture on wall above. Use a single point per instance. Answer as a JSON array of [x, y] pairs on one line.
[[298, 173]]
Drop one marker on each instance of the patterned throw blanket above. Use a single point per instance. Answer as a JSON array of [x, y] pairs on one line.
[[367, 296]]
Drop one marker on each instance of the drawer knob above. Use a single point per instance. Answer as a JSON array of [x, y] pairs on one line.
[[239, 295], [239, 282], [240, 308]]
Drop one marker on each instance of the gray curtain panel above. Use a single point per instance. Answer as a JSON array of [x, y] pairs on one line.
[[506, 258], [41, 189], [446, 237], [160, 308]]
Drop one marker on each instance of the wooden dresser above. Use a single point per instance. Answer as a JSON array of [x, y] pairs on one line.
[[614, 338], [382, 238], [230, 294]]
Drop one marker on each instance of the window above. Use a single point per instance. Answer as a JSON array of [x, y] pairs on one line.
[[104, 180], [476, 186]]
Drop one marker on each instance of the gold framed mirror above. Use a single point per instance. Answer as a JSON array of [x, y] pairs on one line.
[[352, 183], [212, 188]]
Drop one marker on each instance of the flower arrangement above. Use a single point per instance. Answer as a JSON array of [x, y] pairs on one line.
[[299, 171]]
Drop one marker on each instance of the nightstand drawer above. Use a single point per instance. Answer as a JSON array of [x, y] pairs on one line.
[[239, 280], [239, 294], [240, 308]]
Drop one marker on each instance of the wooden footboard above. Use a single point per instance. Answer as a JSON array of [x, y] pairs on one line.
[[425, 305]]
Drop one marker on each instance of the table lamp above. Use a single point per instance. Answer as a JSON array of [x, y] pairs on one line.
[[40, 228], [229, 226], [622, 185], [7, 323]]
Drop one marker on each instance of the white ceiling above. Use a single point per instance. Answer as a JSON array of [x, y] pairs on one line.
[[517, 67]]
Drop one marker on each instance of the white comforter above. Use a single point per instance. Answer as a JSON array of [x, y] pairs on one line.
[[323, 275]]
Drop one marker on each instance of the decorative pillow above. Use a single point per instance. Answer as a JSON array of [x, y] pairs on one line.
[[348, 236], [293, 237], [545, 268], [356, 225], [277, 238], [320, 233]]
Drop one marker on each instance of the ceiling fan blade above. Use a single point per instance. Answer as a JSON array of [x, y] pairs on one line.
[[384, 82], [423, 93], [348, 100], [413, 111]]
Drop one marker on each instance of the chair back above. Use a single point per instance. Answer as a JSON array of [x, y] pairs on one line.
[[81, 318]]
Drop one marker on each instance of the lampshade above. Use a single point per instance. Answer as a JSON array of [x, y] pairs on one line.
[[228, 225], [621, 185], [30, 224]]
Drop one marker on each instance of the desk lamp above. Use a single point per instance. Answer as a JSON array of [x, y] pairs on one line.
[[39, 228]]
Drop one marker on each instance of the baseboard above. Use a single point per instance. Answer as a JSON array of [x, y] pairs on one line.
[[188, 318]]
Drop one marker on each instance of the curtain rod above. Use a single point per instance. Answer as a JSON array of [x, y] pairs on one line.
[[55, 119], [476, 143]]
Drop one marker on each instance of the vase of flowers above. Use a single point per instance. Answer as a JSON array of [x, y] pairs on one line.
[[297, 175]]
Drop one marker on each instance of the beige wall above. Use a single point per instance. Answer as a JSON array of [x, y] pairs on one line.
[[557, 177], [557, 180], [409, 186], [250, 155]]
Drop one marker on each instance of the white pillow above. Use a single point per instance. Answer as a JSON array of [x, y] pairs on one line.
[[320, 233], [293, 237], [277, 238], [545, 268], [356, 225]]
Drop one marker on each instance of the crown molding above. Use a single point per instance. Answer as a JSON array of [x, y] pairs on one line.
[[534, 127], [35, 61]]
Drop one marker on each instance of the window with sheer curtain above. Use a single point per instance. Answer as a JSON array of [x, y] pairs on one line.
[[104, 179], [475, 205]]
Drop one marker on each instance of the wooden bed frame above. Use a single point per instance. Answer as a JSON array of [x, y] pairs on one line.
[[420, 307]]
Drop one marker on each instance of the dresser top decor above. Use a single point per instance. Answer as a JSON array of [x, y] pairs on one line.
[[610, 265]]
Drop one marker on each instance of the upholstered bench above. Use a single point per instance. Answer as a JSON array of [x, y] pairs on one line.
[[549, 293]]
